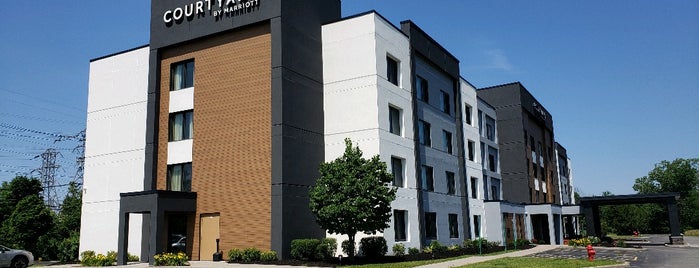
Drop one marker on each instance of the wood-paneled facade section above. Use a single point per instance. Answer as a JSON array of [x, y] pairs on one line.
[[231, 154]]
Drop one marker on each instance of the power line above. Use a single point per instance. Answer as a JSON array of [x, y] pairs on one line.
[[42, 99]]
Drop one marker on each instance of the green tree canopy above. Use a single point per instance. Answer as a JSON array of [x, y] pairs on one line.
[[353, 195], [680, 176], [30, 220], [11, 193]]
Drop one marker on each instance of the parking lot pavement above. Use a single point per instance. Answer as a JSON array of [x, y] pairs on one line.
[[619, 254]]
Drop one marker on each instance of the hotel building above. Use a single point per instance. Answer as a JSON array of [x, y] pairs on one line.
[[211, 135]]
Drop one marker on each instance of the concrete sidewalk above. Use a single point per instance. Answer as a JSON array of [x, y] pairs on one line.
[[476, 259]]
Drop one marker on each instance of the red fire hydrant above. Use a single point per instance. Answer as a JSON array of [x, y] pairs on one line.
[[590, 253]]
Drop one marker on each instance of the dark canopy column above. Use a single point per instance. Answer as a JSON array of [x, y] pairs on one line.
[[155, 203]]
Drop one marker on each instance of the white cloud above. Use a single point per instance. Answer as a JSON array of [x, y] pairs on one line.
[[496, 59]]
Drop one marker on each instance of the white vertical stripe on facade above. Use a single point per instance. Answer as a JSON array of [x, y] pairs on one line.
[[114, 147]]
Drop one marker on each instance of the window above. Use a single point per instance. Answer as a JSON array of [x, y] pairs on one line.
[[495, 189], [430, 225], [423, 93], [483, 155], [490, 128], [427, 178], [397, 169], [182, 75], [451, 184], [477, 225], [453, 226], [467, 115], [399, 220], [392, 70], [394, 121], [444, 103], [480, 122], [471, 150], [474, 187], [485, 187], [181, 126], [424, 133], [179, 177], [446, 141], [492, 159]]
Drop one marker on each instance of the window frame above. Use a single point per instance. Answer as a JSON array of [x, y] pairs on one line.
[[427, 177], [187, 125], [474, 188], [447, 141], [404, 225], [395, 122], [424, 133], [188, 77], [468, 114], [471, 146], [453, 225], [477, 226], [431, 225], [392, 74], [444, 104], [422, 89], [186, 181], [451, 182], [401, 171]]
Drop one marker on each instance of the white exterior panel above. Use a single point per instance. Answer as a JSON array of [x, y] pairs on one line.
[[114, 147]]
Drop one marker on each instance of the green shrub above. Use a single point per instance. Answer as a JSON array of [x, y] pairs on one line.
[[304, 249], [373, 246], [346, 247], [235, 255], [268, 256], [133, 258], [454, 247], [398, 249], [88, 258], [435, 247], [170, 259], [251, 255], [87, 254], [517, 243], [326, 249], [413, 251], [69, 247]]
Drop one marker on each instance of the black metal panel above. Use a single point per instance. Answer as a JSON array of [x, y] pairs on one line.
[[206, 22]]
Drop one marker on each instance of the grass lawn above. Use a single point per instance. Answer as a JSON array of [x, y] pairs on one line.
[[692, 233], [616, 236], [524, 262], [419, 263]]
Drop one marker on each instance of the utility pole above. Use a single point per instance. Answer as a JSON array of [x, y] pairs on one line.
[[47, 173]]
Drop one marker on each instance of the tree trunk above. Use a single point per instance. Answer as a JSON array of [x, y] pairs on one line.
[[351, 239]]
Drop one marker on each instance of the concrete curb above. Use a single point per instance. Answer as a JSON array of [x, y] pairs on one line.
[[621, 265]]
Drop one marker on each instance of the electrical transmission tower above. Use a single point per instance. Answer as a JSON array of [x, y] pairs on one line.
[[79, 150], [47, 172]]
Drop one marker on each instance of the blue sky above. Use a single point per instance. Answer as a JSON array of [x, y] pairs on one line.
[[621, 78]]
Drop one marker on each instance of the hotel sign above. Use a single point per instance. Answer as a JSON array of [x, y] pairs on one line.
[[211, 8], [543, 114]]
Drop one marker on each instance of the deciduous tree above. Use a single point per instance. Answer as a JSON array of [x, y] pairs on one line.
[[353, 194]]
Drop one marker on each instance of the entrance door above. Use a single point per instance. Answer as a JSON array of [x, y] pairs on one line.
[[209, 234]]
